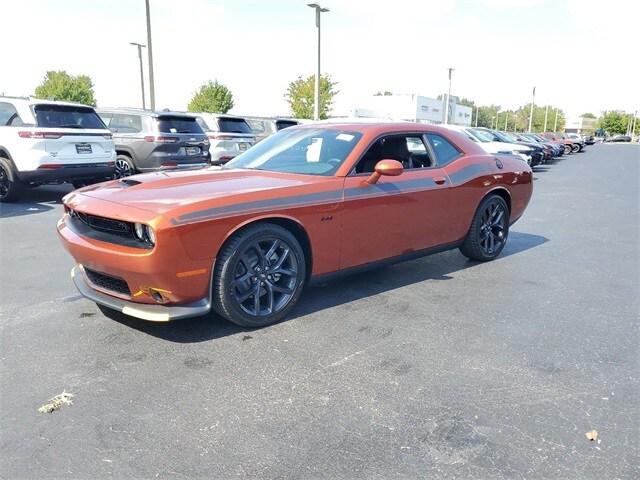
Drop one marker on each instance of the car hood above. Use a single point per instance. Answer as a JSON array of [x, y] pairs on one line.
[[180, 191]]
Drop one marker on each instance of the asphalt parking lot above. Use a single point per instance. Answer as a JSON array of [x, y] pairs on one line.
[[435, 368]]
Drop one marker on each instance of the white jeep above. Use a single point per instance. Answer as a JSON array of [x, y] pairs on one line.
[[44, 141]]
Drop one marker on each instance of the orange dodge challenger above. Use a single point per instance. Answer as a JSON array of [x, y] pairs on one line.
[[309, 202]]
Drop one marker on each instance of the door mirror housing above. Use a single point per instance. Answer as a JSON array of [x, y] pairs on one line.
[[391, 168]]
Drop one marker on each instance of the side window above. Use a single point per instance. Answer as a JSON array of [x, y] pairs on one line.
[[203, 125], [444, 151], [409, 150], [9, 116], [122, 123], [106, 118]]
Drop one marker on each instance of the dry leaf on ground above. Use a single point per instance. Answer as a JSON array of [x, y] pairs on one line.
[[56, 402], [592, 435]]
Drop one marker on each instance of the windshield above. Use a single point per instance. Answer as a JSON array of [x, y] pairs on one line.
[[67, 116], [309, 151], [482, 135]]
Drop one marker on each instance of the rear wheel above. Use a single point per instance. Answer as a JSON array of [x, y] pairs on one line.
[[259, 276], [489, 230], [575, 148], [124, 166], [567, 149], [10, 185]]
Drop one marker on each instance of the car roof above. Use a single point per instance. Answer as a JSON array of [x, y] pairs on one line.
[[41, 101], [149, 113], [377, 127]]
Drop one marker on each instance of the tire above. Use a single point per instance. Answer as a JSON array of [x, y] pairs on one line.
[[489, 230], [567, 149], [10, 185], [253, 262], [124, 166], [575, 148]]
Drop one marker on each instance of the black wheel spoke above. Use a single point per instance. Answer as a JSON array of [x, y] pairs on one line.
[[256, 300], [278, 288], [281, 259], [269, 294], [272, 250]]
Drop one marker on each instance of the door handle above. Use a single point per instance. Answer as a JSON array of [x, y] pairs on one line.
[[440, 180]]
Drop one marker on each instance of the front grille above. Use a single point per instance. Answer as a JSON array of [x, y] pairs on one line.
[[108, 282], [105, 224]]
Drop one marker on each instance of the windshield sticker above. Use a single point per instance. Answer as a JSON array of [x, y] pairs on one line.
[[345, 137]]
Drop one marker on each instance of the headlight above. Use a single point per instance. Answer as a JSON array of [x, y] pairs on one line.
[[140, 234], [151, 235], [145, 233]]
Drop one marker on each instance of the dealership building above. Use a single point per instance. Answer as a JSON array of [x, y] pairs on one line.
[[409, 108]]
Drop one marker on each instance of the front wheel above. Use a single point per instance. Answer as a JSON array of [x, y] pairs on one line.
[[489, 230], [259, 276], [567, 149], [575, 148]]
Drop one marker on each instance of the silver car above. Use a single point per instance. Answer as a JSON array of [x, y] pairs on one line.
[[229, 135], [263, 127]]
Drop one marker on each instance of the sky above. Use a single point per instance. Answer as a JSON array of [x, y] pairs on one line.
[[581, 55]]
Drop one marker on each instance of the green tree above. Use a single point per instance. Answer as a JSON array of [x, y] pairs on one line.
[[614, 122], [300, 96], [588, 115], [211, 97], [386, 93], [59, 85]]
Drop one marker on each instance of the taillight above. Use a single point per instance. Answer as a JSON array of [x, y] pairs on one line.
[[41, 135], [220, 137], [50, 166], [161, 139]]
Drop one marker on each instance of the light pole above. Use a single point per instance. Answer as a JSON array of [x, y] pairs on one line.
[[533, 101], [506, 118], [477, 111], [446, 110], [497, 116], [555, 125], [316, 104], [140, 47], [152, 92], [546, 112]]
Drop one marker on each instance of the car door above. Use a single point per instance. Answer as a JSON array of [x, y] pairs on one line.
[[397, 215]]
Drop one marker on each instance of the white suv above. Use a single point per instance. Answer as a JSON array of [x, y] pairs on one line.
[[43, 141], [229, 135]]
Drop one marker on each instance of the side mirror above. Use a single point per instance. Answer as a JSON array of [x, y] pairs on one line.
[[392, 168]]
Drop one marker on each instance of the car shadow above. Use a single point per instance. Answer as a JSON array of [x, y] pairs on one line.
[[338, 292], [35, 200]]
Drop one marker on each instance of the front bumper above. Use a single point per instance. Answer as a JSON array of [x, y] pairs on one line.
[[143, 311]]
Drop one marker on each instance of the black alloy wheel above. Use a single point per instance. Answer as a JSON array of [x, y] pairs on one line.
[[123, 167], [265, 277], [489, 230], [10, 186], [259, 276]]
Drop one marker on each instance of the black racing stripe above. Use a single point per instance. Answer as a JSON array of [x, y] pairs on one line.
[[210, 213], [376, 190], [381, 189], [468, 173]]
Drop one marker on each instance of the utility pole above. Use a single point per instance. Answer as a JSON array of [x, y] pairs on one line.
[[316, 104], [546, 112], [533, 101], [555, 125], [477, 111], [152, 92], [446, 110], [506, 119], [140, 47]]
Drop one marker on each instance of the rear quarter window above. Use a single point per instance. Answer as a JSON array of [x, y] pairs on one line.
[[67, 116], [445, 152]]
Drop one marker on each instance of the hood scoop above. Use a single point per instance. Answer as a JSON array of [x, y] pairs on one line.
[[128, 182]]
